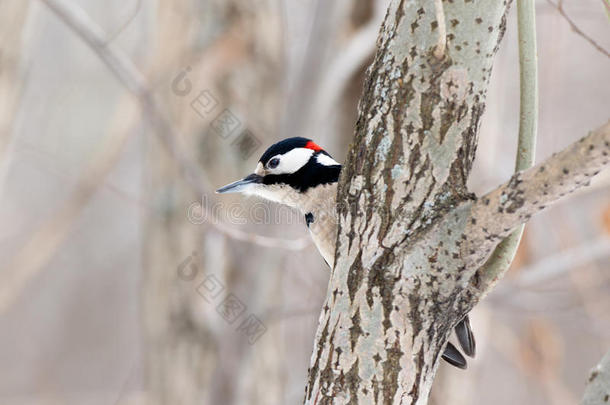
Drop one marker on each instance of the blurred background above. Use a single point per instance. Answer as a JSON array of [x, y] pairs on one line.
[[125, 280]]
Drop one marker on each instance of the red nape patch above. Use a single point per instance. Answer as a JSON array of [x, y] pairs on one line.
[[313, 146]]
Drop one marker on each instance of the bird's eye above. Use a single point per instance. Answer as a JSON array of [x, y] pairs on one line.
[[273, 163]]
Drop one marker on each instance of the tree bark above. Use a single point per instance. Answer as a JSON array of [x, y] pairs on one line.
[[597, 391], [411, 236]]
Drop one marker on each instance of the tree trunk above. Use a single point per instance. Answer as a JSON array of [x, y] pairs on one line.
[[391, 304], [12, 21], [411, 237], [194, 355]]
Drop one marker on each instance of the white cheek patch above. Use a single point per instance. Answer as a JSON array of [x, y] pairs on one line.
[[292, 161], [326, 160]]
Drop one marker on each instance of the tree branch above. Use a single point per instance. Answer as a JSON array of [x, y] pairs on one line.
[[503, 255], [577, 30], [562, 262], [343, 66], [528, 192], [44, 242], [597, 391]]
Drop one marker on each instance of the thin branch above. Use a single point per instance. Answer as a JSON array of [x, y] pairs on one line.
[[129, 75], [342, 68], [502, 257], [559, 7], [13, 14], [27, 261], [549, 268], [441, 45], [130, 17], [528, 80], [498, 213], [562, 262]]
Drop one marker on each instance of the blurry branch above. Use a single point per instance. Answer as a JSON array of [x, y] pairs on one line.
[[298, 113], [557, 264], [597, 391], [503, 255], [128, 74], [607, 7], [130, 17], [347, 62], [535, 353], [12, 21], [126, 381], [439, 51], [559, 7], [591, 294], [524, 291], [48, 237], [265, 241], [275, 315], [65, 174]]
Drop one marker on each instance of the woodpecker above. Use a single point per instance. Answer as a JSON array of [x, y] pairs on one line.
[[299, 173]]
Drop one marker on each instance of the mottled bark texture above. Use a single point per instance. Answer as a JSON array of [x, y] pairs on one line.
[[411, 236], [597, 391]]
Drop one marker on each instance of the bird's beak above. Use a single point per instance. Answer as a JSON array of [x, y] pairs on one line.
[[241, 185]]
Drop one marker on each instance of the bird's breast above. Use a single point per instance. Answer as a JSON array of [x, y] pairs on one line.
[[320, 210], [323, 230]]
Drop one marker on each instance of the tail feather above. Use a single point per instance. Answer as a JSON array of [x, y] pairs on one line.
[[453, 356], [466, 337]]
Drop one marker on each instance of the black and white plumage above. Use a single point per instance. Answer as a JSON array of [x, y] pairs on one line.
[[299, 173]]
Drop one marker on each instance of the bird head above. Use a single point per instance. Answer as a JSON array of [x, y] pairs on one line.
[[287, 172]]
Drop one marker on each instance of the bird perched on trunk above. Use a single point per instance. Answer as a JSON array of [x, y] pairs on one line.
[[299, 173]]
